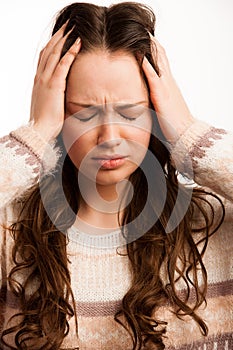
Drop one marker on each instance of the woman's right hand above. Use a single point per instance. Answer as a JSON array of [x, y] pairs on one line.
[[48, 94]]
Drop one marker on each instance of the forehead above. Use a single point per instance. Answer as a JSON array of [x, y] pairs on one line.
[[99, 75]]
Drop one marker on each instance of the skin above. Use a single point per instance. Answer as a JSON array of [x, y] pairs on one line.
[[49, 118], [113, 84], [115, 91]]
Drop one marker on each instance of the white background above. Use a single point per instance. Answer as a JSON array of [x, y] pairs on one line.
[[197, 36]]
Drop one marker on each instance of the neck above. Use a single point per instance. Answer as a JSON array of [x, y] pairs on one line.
[[100, 204]]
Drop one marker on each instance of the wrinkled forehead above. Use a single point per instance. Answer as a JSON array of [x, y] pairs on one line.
[[99, 77]]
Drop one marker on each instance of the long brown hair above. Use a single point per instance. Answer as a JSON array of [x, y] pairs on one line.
[[40, 247]]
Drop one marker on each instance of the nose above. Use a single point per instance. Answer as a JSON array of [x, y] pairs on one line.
[[109, 135]]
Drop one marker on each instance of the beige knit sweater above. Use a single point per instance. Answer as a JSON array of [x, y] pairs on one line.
[[100, 277]]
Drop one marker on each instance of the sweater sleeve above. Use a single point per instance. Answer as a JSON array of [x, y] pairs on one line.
[[205, 154], [24, 158]]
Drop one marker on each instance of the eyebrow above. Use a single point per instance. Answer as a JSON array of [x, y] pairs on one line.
[[120, 105]]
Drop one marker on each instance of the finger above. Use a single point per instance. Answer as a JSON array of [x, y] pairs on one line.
[[159, 55], [58, 36], [65, 63], [151, 75], [53, 58], [39, 59]]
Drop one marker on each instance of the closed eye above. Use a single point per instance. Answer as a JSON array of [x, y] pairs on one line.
[[131, 113], [86, 119], [86, 114], [126, 117]]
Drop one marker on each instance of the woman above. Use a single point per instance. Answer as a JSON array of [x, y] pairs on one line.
[[86, 262]]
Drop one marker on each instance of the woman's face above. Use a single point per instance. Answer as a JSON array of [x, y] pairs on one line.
[[107, 123]]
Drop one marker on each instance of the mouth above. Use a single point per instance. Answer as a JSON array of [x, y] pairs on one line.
[[110, 162], [109, 157]]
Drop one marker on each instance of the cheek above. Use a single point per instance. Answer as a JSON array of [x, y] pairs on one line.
[[74, 132], [78, 144], [138, 142], [140, 136], [80, 151], [141, 132]]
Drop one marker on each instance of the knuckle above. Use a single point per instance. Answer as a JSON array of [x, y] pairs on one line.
[[41, 53], [54, 84], [50, 85], [48, 45], [40, 56], [36, 79], [41, 81], [63, 62], [72, 52], [55, 53], [67, 59]]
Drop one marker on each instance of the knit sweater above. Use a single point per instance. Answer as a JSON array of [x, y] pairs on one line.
[[99, 276]]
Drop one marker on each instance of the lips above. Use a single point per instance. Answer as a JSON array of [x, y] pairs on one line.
[[110, 161], [108, 157]]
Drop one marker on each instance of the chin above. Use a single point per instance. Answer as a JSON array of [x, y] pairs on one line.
[[110, 179], [105, 177]]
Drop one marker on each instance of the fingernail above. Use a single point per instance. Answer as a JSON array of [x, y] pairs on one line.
[[64, 24], [151, 37], [145, 60], [78, 41]]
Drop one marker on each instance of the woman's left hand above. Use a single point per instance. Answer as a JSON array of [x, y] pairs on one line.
[[172, 111]]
